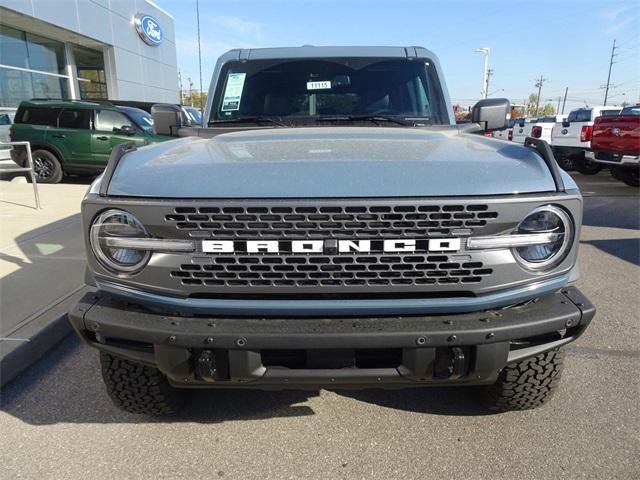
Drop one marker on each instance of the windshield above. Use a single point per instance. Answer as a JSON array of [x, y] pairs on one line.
[[303, 91], [630, 111], [193, 114], [141, 118]]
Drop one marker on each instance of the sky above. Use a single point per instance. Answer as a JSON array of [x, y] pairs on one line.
[[568, 43]]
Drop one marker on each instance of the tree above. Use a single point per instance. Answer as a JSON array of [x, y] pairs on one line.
[[548, 109], [193, 98], [532, 107]]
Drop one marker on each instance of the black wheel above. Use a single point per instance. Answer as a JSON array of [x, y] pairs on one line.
[[526, 384], [47, 167], [629, 175], [587, 167], [566, 163], [136, 388]]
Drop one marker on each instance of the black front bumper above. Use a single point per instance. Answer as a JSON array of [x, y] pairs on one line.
[[467, 349]]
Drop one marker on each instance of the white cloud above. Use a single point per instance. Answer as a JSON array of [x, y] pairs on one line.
[[617, 19]]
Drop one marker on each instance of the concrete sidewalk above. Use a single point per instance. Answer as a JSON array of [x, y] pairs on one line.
[[41, 270]]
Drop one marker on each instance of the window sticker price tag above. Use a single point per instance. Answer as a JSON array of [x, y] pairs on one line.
[[233, 92]]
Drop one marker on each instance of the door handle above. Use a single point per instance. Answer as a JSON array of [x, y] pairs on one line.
[[102, 138], [58, 135]]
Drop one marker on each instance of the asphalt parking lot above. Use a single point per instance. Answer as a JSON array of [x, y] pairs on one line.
[[57, 421]]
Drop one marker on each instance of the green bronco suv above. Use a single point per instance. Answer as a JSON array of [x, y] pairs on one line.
[[72, 137]]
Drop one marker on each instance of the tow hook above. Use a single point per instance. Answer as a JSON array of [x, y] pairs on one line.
[[206, 366]]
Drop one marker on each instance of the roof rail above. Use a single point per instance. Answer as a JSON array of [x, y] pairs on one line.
[[102, 102]]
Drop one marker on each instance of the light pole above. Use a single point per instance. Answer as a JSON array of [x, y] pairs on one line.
[[485, 72]]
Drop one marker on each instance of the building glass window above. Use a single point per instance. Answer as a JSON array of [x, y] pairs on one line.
[[16, 86], [91, 77], [45, 55], [31, 66]]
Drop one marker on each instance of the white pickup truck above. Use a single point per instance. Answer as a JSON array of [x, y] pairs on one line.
[[507, 133], [543, 127], [522, 129], [572, 138]]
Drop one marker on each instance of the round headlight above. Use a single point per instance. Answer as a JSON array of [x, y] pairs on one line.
[[547, 219], [112, 224]]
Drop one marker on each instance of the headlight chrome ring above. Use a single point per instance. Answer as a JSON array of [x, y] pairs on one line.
[[544, 257], [112, 224]]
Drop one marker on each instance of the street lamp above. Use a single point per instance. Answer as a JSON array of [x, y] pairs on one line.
[[485, 73]]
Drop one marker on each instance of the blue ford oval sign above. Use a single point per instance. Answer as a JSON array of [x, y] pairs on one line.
[[149, 29]]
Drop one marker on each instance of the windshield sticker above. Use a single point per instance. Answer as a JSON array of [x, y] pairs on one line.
[[318, 85], [233, 92]]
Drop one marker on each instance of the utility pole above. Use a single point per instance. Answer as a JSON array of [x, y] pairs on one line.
[[558, 109], [564, 101], [199, 56], [485, 71], [613, 54], [489, 75], [180, 85], [539, 82]]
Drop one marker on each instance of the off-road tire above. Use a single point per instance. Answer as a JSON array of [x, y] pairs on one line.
[[47, 167], [629, 175], [136, 388], [566, 163], [526, 384], [587, 167]]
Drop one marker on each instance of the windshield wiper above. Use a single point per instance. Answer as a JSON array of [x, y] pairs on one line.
[[365, 118], [254, 119]]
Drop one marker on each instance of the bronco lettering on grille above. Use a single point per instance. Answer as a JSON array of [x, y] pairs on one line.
[[332, 246]]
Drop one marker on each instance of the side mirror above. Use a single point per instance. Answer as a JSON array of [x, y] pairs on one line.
[[167, 118], [491, 113], [566, 124], [125, 130]]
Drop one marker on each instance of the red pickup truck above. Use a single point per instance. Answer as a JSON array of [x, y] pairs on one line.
[[615, 141]]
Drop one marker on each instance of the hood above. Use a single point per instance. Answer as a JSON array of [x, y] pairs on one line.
[[323, 162]]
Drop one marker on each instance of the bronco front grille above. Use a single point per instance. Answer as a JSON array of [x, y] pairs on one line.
[[329, 270], [306, 222]]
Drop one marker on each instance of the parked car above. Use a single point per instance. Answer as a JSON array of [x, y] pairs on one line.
[[331, 226], [543, 126], [572, 138], [73, 137], [522, 129], [615, 142]]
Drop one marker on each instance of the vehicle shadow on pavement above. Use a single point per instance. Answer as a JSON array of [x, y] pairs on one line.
[[612, 212], [432, 400], [627, 249]]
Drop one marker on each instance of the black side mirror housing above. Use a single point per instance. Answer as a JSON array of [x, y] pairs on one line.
[[566, 124], [167, 118], [491, 113], [125, 130]]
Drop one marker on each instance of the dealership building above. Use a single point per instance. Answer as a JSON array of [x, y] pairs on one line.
[[86, 50]]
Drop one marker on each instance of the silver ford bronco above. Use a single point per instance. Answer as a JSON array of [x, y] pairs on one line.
[[330, 226]]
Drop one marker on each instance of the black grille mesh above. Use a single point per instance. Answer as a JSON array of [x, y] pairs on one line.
[[249, 223], [318, 271]]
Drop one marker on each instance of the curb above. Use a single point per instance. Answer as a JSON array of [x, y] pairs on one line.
[[16, 355], [28, 344]]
